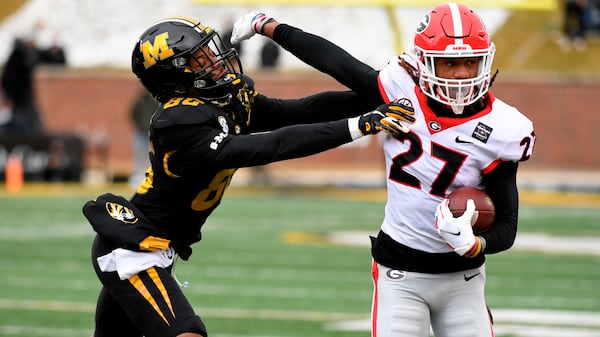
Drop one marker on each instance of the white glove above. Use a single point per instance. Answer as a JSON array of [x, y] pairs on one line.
[[457, 232], [247, 25]]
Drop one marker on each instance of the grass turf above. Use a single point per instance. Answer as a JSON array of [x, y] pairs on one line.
[[247, 278]]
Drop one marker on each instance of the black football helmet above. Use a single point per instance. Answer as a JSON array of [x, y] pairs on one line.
[[162, 55]]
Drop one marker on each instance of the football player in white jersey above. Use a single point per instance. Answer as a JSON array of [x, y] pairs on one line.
[[428, 269]]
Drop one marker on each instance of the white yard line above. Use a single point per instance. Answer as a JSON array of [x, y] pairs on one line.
[[501, 316], [518, 323], [576, 245], [42, 331]]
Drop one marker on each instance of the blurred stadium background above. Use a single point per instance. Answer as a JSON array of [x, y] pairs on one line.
[[91, 97], [286, 256]]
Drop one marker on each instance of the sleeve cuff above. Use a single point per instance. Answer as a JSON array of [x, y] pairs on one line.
[[353, 128]]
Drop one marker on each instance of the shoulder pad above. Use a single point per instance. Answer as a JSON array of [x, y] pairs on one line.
[[178, 111]]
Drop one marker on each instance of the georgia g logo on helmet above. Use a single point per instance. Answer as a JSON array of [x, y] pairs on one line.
[[157, 50]]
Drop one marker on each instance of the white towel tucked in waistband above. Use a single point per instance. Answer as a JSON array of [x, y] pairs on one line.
[[127, 262]]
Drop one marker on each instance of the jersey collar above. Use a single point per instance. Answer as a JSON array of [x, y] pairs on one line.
[[436, 124]]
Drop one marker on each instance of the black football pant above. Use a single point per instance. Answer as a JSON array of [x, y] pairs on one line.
[[149, 304]]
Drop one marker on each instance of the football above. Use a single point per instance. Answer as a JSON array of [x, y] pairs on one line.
[[485, 211]]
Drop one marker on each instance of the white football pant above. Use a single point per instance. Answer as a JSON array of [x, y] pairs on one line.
[[407, 304]]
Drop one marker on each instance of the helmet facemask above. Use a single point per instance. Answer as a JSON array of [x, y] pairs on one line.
[[209, 68], [455, 93]]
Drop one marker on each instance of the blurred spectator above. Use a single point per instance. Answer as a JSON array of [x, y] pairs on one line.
[[573, 25], [269, 55], [58, 161], [592, 22], [17, 88], [141, 113], [54, 55]]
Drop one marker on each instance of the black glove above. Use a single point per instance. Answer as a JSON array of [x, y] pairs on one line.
[[374, 122], [386, 118], [398, 111]]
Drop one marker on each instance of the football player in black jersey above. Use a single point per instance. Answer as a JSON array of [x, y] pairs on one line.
[[210, 122]]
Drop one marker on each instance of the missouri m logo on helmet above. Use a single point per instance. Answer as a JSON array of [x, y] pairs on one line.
[[157, 50]]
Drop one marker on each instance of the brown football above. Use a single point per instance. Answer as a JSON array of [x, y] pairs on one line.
[[485, 210]]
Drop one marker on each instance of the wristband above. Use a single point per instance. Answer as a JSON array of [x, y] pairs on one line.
[[353, 128], [477, 248], [261, 21]]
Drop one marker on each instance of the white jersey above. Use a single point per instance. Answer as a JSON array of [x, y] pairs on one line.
[[439, 155]]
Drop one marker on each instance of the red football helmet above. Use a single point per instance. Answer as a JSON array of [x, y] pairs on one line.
[[453, 31]]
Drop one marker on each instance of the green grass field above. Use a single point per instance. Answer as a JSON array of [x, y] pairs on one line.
[[274, 265]]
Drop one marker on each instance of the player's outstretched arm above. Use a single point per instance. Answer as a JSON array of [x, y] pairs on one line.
[[313, 50], [297, 141]]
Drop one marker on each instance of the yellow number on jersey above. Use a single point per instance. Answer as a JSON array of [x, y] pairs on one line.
[[183, 101], [211, 195]]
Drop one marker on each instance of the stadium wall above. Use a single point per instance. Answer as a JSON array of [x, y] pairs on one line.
[[96, 106]]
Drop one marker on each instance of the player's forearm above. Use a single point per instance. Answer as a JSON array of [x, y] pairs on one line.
[[329, 58], [285, 143], [502, 235], [501, 186], [272, 113], [268, 29]]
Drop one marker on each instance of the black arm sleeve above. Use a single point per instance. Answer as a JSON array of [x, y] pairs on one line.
[[329, 58], [236, 151], [501, 186], [273, 113]]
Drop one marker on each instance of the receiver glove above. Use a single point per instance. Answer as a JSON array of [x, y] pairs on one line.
[[247, 25]]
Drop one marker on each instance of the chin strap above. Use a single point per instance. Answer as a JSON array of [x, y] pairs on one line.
[[493, 78]]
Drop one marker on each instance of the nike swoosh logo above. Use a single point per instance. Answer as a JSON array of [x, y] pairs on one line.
[[462, 141], [451, 233], [468, 278]]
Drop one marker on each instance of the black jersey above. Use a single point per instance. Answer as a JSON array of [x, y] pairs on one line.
[[196, 147]]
